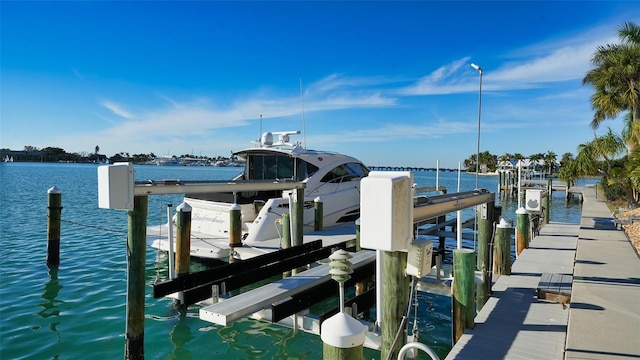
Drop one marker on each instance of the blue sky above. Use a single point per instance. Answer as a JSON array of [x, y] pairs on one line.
[[387, 82]]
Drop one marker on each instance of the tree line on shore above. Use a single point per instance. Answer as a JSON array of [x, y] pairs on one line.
[[548, 161], [56, 154]]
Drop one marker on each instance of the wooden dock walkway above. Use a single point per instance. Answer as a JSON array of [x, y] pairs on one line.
[[602, 319]]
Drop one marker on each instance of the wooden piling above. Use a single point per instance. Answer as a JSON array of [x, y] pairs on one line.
[[395, 296], [318, 214], [235, 226], [183, 239], [485, 233], [502, 250], [463, 291], [546, 209], [523, 230], [297, 216], [330, 352], [136, 257], [286, 236], [54, 216], [286, 231]]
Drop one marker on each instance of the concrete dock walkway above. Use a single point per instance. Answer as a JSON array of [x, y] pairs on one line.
[[602, 320]]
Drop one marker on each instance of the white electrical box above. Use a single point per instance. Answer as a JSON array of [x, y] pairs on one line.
[[386, 210], [115, 186], [533, 200], [419, 258]]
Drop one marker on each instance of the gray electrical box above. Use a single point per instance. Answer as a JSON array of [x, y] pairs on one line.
[[419, 258]]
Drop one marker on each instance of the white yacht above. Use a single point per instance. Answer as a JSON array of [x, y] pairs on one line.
[[168, 161], [333, 177]]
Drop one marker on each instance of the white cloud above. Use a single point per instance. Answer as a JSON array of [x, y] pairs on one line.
[[568, 60], [117, 109], [534, 66], [444, 80]]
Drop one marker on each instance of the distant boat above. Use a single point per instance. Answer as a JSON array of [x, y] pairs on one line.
[[169, 161], [8, 159]]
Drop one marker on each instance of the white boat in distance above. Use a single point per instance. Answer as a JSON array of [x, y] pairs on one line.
[[168, 161], [333, 177]]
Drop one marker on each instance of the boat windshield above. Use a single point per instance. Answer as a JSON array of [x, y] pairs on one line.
[[277, 167]]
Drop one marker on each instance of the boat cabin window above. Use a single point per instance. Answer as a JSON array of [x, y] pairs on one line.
[[276, 167], [346, 172]]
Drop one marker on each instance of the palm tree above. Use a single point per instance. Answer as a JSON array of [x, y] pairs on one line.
[[535, 159], [599, 157], [616, 78], [504, 158], [550, 161], [566, 158], [569, 173], [633, 167], [631, 131]]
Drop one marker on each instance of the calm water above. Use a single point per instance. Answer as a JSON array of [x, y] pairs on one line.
[[77, 310]]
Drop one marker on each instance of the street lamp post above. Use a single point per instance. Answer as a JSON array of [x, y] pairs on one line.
[[479, 111]]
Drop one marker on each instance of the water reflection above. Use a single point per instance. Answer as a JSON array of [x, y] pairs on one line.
[[50, 305], [180, 336]]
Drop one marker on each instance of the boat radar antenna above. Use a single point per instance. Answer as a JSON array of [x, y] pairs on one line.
[[304, 132]]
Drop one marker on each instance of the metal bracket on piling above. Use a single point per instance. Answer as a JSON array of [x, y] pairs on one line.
[[215, 294]]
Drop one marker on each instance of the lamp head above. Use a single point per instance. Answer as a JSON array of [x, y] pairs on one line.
[[476, 67]]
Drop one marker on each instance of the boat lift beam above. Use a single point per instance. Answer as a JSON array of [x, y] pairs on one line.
[[427, 208], [164, 187], [117, 188]]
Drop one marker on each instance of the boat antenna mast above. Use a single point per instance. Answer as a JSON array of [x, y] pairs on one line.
[[260, 135], [304, 132]]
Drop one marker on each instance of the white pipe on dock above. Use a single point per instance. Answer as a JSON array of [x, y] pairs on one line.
[[293, 235], [378, 288], [438, 176], [519, 180], [459, 216], [172, 268]]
